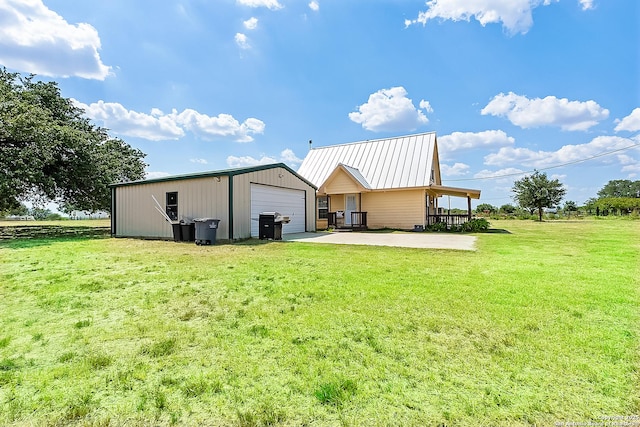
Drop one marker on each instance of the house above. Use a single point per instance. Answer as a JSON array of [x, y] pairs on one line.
[[235, 196], [383, 183]]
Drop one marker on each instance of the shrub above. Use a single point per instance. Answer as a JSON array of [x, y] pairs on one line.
[[437, 227], [475, 225]]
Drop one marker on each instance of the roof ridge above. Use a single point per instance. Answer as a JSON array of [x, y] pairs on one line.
[[374, 140]]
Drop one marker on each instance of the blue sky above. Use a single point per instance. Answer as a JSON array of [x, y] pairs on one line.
[[509, 86]]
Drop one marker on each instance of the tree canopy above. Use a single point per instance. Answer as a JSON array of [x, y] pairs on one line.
[[621, 205], [620, 188], [49, 151], [536, 192], [486, 208]]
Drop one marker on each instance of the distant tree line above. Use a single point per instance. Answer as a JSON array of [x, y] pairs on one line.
[[617, 197], [538, 194]]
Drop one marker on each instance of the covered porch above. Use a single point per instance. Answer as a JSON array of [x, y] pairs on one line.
[[346, 200], [437, 214], [357, 220], [340, 200]]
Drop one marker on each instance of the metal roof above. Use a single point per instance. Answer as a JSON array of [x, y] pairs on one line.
[[355, 173], [399, 162], [225, 172]]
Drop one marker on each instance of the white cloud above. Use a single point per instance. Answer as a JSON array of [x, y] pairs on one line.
[[250, 24], [633, 169], [515, 15], [199, 161], [502, 175], [566, 154], [237, 162], [630, 123], [116, 118], [625, 159], [269, 4], [242, 41], [223, 125], [314, 6], [287, 156], [586, 4], [549, 111], [470, 140], [425, 105], [158, 126], [37, 40], [390, 110], [455, 170]]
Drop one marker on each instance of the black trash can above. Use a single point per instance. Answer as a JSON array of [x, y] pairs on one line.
[[270, 226], [188, 231], [177, 231], [206, 231]]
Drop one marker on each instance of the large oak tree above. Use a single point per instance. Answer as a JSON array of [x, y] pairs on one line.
[[49, 151], [536, 192]]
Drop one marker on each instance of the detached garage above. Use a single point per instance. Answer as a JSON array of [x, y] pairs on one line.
[[235, 196]]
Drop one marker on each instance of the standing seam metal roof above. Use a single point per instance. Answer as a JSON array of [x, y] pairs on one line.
[[357, 175], [398, 162]]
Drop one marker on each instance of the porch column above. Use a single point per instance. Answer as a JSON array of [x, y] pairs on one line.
[[428, 207], [469, 207]]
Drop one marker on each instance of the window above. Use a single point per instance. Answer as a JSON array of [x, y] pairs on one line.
[[323, 207], [172, 205]]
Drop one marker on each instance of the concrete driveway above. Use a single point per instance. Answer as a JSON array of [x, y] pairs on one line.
[[399, 239]]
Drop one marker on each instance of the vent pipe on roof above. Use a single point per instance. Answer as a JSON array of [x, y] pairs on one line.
[[310, 142]]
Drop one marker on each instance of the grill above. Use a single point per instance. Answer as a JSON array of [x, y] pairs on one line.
[[270, 225]]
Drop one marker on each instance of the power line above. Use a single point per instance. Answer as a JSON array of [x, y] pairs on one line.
[[547, 168]]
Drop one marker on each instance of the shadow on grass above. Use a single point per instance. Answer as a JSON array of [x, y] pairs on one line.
[[497, 231], [20, 237]]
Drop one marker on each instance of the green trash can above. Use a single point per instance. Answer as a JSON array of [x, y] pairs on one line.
[[206, 229]]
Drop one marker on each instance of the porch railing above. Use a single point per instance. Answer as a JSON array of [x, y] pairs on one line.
[[450, 220], [358, 220]]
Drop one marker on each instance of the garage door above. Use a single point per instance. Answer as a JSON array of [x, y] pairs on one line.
[[287, 201]]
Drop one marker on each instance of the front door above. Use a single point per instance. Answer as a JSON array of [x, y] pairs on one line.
[[350, 206]]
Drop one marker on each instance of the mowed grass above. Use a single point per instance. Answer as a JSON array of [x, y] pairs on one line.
[[538, 326]]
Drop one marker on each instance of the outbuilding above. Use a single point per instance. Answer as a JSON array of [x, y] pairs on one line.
[[234, 196]]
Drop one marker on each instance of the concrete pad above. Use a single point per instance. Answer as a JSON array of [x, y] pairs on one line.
[[397, 239]]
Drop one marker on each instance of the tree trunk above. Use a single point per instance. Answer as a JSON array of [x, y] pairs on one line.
[[540, 214]]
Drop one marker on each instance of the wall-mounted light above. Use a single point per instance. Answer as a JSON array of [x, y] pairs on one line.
[[218, 178], [280, 175]]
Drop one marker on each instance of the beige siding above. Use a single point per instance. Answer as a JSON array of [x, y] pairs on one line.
[[336, 202], [341, 183], [278, 177], [136, 215], [394, 209]]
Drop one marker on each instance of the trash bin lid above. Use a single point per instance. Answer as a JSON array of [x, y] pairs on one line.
[[205, 219], [270, 213]]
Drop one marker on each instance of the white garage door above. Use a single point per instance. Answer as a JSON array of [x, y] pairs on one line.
[[286, 201]]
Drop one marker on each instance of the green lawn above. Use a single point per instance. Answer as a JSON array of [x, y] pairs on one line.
[[538, 326]]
